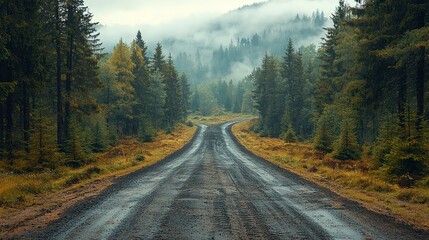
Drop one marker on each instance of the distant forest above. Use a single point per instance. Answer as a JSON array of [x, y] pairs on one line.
[[248, 50]]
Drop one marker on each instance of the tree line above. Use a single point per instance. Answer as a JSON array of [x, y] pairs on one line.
[[282, 94], [218, 97], [370, 94], [61, 99], [249, 50]]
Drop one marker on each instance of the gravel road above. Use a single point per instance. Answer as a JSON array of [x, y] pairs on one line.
[[214, 189]]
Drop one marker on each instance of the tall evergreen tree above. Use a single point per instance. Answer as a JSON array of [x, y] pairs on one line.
[[123, 95], [326, 85], [81, 45], [185, 93], [139, 84], [158, 61], [293, 76], [173, 101], [142, 44], [269, 97], [156, 99]]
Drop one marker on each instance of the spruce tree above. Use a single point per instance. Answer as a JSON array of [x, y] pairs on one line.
[[143, 47], [140, 85], [173, 101], [292, 73], [156, 99], [407, 160], [99, 139], [195, 101], [73, 147], [158, 61], [326, 87], [289, 135], [185, 93], [323, 136], [346, 146], [269, 97]]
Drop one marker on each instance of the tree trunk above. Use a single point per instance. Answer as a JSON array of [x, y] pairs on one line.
[[26, 115], [9, 128], [2, 142], [402, 97], [420, 76], [60, 127], [420, 87], [67, 106]]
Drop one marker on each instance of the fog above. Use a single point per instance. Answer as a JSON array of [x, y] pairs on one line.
[[188, 26], [122, 19]]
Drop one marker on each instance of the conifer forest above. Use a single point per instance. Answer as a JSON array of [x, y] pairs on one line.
[[363, 93], [63, 98], [359, 92]]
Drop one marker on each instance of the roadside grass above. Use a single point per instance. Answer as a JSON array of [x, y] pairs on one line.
[[355, 180], [18, 190]]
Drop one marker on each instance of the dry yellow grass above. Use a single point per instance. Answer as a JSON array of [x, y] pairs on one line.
[[351, 179], [130, 155]]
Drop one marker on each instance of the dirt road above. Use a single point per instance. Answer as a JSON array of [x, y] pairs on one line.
[[216, 190]]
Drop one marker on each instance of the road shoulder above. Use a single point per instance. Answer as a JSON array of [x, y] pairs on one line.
[[300, 159], [46, 208]]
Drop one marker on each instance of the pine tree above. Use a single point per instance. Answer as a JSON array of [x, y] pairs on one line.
[[156, 99], [81, 45], [158, 61], [141, 43], [44, 152], [323, 136], [139, 84], [185, 93], [195, 101], [147, 131], [289, 135], [346, 146], [173, 101], [268, 97], [73, 147], [99, 139], [407, 160], [326, 86], [238, 97], [292, 74], [383, 144], [124, 98]]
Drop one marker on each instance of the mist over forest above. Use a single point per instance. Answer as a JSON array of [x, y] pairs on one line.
[[230, 46]]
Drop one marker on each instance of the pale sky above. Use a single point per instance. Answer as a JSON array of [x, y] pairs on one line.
[[154, 12]]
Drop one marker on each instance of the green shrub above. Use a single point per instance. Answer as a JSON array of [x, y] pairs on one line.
[[147, 131], [346, 146], [407, 161], [323, 137], [140, 158], [290, 135], [99, 137]]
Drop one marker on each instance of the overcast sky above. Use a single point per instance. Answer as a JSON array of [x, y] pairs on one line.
[[154, 12]]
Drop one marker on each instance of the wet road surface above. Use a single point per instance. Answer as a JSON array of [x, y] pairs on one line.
[[214, 189]]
